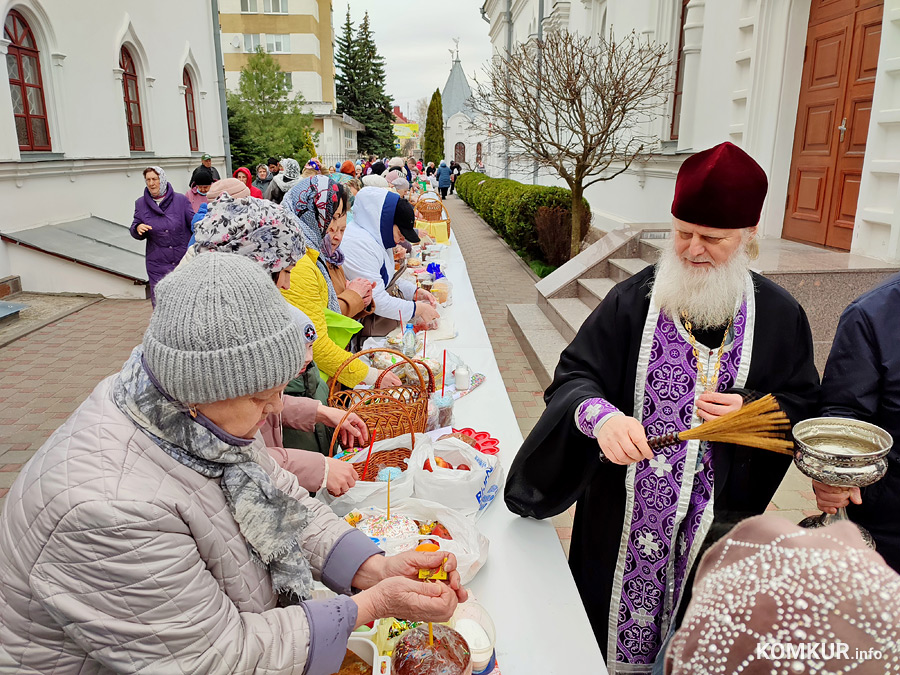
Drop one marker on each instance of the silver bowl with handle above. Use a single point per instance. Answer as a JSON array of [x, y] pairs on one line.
[[841, 452]]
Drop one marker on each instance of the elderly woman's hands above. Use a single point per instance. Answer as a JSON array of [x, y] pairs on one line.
[[407, 599], [393, 587], [407, 564]]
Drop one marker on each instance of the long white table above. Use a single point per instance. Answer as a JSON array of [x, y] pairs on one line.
[[525, 585]]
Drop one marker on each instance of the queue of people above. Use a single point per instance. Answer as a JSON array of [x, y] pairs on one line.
[[191, 469]]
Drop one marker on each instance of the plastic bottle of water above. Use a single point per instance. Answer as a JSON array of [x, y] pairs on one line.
[[409, 341]]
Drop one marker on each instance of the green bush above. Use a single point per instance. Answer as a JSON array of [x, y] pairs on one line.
[[510, 208]]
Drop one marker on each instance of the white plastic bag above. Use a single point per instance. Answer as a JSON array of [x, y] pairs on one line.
[[374, 493], [468, 544], [469, 492]]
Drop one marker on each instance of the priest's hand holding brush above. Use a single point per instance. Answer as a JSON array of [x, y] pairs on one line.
[[760, 424]]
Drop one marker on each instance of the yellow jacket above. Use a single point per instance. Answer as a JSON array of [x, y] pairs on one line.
[[309, 294]]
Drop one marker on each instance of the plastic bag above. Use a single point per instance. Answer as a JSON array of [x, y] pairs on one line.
[[468, 492], [415, 655], [468, 544], [374, 493], [442, 289]]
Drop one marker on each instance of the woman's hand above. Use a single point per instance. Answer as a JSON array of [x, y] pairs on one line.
[[425, 312], [389, 380], [425, 296], [406, 599], [142, 229], [829, 498], [341, 476], [353, 429], [363, 288], [711, 405], [408, 564]]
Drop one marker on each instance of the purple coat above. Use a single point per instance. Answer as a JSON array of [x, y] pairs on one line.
[[167, 241]]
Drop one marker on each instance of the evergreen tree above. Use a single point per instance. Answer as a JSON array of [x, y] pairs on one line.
[[433, 145], [271, 121], [374, 109], [346, 58]]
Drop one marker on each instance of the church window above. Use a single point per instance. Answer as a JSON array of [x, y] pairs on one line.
[[23, 66]]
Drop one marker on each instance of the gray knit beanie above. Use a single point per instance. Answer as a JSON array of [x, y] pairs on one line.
[[221, 330]]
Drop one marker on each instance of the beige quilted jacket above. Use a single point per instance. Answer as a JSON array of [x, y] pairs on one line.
[[116, 558]]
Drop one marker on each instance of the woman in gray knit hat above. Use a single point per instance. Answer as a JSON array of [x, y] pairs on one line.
[[264, 233], [153, 531]]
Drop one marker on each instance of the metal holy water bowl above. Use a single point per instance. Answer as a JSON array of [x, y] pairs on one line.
[[842, 453]]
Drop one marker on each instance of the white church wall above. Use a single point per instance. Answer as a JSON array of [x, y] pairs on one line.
[[91, 168]]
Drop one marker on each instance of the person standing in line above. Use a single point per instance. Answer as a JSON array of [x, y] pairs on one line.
[[444, 178], [455, 170], [274, 168], [162, 217], [196, 194], [862, 382], [263, 178], [205, 163], [243, 175], [284, 181]]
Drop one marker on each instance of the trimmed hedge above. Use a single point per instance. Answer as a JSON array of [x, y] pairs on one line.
[[510, 207]]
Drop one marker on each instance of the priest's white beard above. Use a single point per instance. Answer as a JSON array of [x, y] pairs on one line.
[[708, 295]]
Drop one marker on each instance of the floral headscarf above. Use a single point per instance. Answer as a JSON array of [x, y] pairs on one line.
[[255, 228], [287, 178], [314, 200], [163, 182]]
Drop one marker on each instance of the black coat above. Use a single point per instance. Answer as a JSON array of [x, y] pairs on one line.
[[862, 381], [558, 464]]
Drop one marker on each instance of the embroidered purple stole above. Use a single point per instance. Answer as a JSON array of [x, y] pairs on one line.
[[669, 504]]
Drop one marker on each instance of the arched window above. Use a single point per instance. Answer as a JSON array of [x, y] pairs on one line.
[[26, 85], [459, 153], [132, 100], [478, 152], [189, 107]]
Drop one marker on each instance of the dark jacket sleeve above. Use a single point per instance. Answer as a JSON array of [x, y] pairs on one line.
[[851, 386], [557, 462]]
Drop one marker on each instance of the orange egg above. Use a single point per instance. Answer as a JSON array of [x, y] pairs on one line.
[[428, 547]]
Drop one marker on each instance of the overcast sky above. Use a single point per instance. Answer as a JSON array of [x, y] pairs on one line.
[[415, 39]]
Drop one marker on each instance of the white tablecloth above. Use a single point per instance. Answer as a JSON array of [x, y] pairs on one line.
[[525, 585]]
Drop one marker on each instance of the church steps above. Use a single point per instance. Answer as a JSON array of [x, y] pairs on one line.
[[567, 315], [592, 291], [539, 339], [621, 269]]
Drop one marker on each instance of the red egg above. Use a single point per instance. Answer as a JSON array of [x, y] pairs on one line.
[[463, 467]]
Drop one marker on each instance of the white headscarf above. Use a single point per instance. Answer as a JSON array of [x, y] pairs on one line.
[[163, 182]]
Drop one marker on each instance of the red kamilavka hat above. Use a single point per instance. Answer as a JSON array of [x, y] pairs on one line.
[[721, 187]]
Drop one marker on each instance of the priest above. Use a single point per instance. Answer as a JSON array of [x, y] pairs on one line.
[[684, 341]]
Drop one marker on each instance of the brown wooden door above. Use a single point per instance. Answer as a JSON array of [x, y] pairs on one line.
[[833, 120]]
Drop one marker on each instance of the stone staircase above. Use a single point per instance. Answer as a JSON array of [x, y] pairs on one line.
[[566, 297], [823, 281]]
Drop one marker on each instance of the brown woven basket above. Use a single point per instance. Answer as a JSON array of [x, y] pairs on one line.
[[383, 419], [378, 407], [398, 457]]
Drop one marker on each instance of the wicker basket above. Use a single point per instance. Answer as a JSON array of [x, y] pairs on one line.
[[381, 408], [383, 419], [398, 457]]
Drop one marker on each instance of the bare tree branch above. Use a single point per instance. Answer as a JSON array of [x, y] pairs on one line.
[[581, 110]]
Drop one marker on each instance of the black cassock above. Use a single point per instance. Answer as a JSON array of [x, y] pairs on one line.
[[558, 464], [862, 381]]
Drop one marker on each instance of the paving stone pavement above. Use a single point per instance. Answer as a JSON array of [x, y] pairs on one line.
[[47, 374]]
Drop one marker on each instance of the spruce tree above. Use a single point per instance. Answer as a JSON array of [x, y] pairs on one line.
[[346, 58], [433, 146], [374, 104]]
